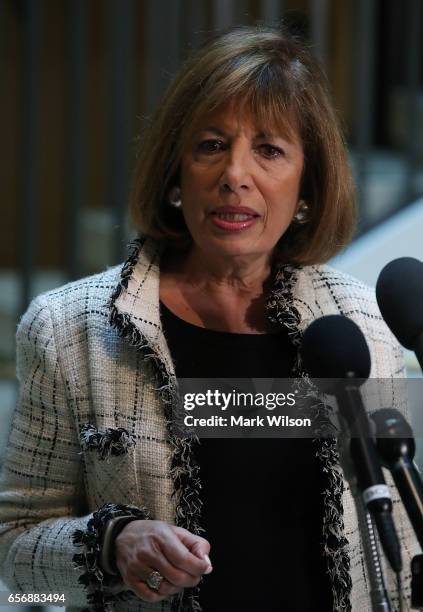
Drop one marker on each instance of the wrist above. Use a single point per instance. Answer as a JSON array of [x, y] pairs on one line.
[[111, 531]]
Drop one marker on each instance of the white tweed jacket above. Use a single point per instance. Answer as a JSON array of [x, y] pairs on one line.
[[91, 428]]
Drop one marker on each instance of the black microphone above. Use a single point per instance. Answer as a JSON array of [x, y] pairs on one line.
[[396, 447], [334, 347], [399, 294]]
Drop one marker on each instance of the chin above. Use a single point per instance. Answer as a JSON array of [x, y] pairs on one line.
[[235, 247]]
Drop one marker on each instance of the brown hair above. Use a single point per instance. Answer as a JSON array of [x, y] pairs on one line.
[[275, 75]]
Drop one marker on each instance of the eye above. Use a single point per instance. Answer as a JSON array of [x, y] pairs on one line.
[[270, 151], [210, 145]]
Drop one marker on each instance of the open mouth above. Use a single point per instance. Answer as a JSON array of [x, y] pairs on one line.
[[234, 216], [233, 221]]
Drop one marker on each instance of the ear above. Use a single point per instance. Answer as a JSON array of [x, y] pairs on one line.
[[174, 196], [302, 212]]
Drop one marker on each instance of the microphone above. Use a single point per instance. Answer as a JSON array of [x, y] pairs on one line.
[[348, 349], [396, 447], [348, 358], [399, 294]]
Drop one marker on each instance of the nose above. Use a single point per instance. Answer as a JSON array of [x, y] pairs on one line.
[[236, 174]]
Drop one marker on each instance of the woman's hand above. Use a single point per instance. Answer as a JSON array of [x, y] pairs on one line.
[[144, 546]]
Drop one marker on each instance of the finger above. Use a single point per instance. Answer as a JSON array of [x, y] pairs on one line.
[[165, 588], [140, 586], [143, 591], [181, 557], [172, 574], [197, 545], [168, 589]]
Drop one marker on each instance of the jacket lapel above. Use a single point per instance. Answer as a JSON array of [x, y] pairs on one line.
[[136, 299], [299, 296]]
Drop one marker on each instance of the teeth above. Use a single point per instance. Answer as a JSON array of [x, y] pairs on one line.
[[233, 217]]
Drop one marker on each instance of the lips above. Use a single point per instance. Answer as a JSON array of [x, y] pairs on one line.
[[233, 218], [235, 210]]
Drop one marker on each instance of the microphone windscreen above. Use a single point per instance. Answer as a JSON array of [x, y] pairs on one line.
[[399, 294], [335, 347], [391, 423]]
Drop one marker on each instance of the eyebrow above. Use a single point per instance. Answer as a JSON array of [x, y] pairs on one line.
[[261, 134]]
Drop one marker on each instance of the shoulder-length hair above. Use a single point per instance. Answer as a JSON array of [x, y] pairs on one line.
[[274, 74]]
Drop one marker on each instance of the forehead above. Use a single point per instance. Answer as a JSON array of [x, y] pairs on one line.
[[237, 115]]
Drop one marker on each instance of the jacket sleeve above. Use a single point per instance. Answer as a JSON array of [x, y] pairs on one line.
[[47, 543]]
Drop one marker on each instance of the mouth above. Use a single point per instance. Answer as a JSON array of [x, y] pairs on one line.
[[234, 220]]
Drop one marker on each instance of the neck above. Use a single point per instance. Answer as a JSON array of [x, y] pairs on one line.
[[222, 295], [232, 275]]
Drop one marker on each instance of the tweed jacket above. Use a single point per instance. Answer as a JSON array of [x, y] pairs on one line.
[[90, 436]]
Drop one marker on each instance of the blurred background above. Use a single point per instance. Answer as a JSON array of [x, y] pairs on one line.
[[79, 78]]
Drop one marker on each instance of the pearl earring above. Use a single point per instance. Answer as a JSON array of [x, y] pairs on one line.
[[174, 197], [301, 216]]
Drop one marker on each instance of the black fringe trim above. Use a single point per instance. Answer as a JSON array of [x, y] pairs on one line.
[[280, 305], [281, 310], [184, 468], [107, 442], [93, 578]]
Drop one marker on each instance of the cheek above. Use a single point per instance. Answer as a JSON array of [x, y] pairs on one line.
[[287, 189], [282, 196], [281, 199], [194, 180]]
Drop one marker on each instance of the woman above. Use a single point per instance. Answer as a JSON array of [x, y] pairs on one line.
[[242, 192]]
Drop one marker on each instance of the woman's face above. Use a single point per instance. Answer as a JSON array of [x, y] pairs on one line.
[[239, 185]]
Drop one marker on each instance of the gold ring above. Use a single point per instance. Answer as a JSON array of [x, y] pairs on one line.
[[154, 580]]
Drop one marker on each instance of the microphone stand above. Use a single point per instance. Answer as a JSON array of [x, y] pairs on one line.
[[396, 447], [378, 594]]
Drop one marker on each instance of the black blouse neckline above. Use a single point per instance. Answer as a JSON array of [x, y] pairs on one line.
[[222, 337]]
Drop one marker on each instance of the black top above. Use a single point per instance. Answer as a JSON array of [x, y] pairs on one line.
[[262, 498]]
